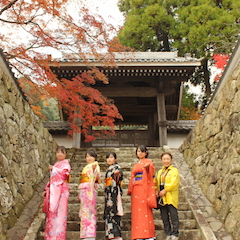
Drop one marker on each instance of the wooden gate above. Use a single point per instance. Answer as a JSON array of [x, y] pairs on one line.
[[123, 138]]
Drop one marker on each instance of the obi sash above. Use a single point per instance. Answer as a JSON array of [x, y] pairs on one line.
[[84, 178], [138, 176], [108, 181]]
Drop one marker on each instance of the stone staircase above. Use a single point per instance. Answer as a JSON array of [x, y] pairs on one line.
[[198, 220], [126, 158]]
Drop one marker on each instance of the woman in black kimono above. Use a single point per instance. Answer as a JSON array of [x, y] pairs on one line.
[[113, 200]]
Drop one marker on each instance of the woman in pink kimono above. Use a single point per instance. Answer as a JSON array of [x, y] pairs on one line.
[[89, 180], [56, 197]]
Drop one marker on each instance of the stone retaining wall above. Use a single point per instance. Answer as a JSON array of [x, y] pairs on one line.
[[26, 148], [212, 150]]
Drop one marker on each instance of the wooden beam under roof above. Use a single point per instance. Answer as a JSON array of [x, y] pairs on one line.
[[129, 91]]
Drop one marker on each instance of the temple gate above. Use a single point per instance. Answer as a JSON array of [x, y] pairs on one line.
[[145, 86]]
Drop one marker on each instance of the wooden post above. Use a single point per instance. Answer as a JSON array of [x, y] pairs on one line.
[[76, 140], [151, 130], [162, 120], [77, 135]]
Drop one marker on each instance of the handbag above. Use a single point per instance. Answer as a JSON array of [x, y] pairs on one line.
[[45, 208], [159, 199], [160, 202]]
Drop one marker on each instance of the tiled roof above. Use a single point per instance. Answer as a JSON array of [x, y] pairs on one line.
[[181, 125], [56, 125], [131, 57], [173, 126]]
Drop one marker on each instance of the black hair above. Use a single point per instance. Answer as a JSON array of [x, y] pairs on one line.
[[92, 153], [111, 153], [166, 153], [62, 149], [143, 149]]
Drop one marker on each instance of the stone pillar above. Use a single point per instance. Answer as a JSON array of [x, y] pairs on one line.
[[162, 120]]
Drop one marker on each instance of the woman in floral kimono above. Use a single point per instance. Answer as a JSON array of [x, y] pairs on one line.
[[56, 197], [89, 180], [113, 201], [143, 196]]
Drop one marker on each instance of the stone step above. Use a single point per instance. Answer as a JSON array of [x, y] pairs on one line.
[[74, 189], [76, 177], [76, 174], [122, 153], [193, 234], [184, 215], [102, 159], [126, 166], [126, 225], [101, 198], [74, 207]]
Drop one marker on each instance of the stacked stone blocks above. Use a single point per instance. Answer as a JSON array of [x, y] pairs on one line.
[[212, 150], [26, 149]]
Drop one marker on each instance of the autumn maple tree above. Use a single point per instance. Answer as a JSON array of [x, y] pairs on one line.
[[220, 61], [31, 30]]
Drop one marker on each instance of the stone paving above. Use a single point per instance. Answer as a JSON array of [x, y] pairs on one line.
[[32, 217]]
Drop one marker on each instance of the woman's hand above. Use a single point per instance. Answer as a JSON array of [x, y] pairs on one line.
[[162, 193], [94, 166], [146, 166], [50, 167], [44, 194], [116, 175]]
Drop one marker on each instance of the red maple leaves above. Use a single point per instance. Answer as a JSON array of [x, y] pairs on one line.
[[31, 30], [220, 62]]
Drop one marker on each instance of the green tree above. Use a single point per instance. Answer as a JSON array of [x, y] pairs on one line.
[[199, 27], [189, 108], [49, 108], [148, 23]]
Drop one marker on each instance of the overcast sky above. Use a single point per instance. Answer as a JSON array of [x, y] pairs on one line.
[[109, 10]]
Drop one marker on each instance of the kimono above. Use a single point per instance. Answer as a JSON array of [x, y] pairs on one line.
[[89, 181], [113, 202], [56, 201], [143, 199]]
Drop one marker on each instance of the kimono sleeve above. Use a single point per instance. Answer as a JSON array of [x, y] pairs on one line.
[[130, 184]]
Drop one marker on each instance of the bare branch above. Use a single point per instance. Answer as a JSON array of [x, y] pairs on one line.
[[8, 6]]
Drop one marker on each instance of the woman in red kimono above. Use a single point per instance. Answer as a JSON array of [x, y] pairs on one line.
[[56, 196], [143, 197]]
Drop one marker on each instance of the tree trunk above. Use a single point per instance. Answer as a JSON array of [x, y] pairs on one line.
[[166, 41], [206, 78]]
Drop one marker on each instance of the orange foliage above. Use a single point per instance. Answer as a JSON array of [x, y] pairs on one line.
[[37, 110], [116, 46], [30, 30], [189, 113], [90, 107]]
